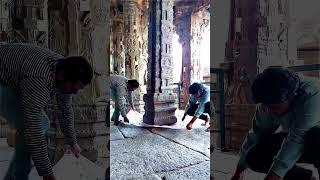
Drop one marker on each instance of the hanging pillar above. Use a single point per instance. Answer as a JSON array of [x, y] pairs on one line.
[[160, 104]]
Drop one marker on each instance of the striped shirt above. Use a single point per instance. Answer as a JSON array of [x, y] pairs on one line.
[[119, 84], [30, 70]]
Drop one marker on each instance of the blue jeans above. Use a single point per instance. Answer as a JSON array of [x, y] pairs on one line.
[[20, 165]]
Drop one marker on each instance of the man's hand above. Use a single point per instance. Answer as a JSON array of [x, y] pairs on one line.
[[238, 175], [272, 176], [49, 177], [126, 119], [75, 149]]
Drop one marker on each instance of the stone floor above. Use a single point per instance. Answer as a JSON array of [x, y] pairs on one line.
[[225, 164], [158, 153]]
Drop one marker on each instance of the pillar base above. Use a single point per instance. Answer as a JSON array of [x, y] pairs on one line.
[[160, 108], [91, 132]]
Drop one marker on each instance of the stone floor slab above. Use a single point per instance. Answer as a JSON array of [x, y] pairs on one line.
[[149, 154], [115, 133], [225, 165], [6, 152], [194, 172], [196, 139], [130, 131]]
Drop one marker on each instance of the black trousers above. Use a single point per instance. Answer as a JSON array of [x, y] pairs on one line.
[[193, 108], [260, 157]]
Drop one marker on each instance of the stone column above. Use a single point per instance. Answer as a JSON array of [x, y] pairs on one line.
[[118, 44], [141, 65], [196, 74], [160, 107], [184, 32], [89, 116], [28, 22], [131, 38], [273, 34], [4, 20]]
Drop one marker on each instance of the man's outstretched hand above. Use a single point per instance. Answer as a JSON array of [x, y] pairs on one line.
[[74, 149], [272, 176], [238, 175], [126, 120], [49, 177]]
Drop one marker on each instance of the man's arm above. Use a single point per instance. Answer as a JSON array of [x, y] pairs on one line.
[[34, 97], [307, 116], [203, 100], [66, 118], [262, 125]]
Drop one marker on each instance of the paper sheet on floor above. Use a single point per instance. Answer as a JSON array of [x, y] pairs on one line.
[[136, 119]]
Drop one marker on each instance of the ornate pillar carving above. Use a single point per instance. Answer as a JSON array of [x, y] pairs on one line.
[[160, 107], [89, 115], [118, 40], [131, 38], [28, 22], [273, 34], [184, 32], [4, 20]]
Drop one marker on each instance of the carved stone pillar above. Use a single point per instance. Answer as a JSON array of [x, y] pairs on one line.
[[196, 73], [141, 65], [4, 20], [131, 38], [118, 40], [89, 115], [28, 22], [184, 32], [160, 107], [273, 34]]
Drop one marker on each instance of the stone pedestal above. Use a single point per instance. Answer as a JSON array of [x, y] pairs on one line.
[[160, 109], [90, 127], [238, 120]]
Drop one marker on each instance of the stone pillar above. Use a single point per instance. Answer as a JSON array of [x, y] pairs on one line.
[[4, 20], [28, 22], [273, 34], [196, 73], [118, 44], [184, 32], [73, 11], [160, 107], [131, 38], [141, 65], [89, 116]]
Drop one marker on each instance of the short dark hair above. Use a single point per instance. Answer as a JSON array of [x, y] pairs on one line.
[[195, 87], [75, 68], [133, 83], [275, 84]]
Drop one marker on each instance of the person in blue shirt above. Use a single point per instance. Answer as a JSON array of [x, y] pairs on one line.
[[285, 128], [198, 105]]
